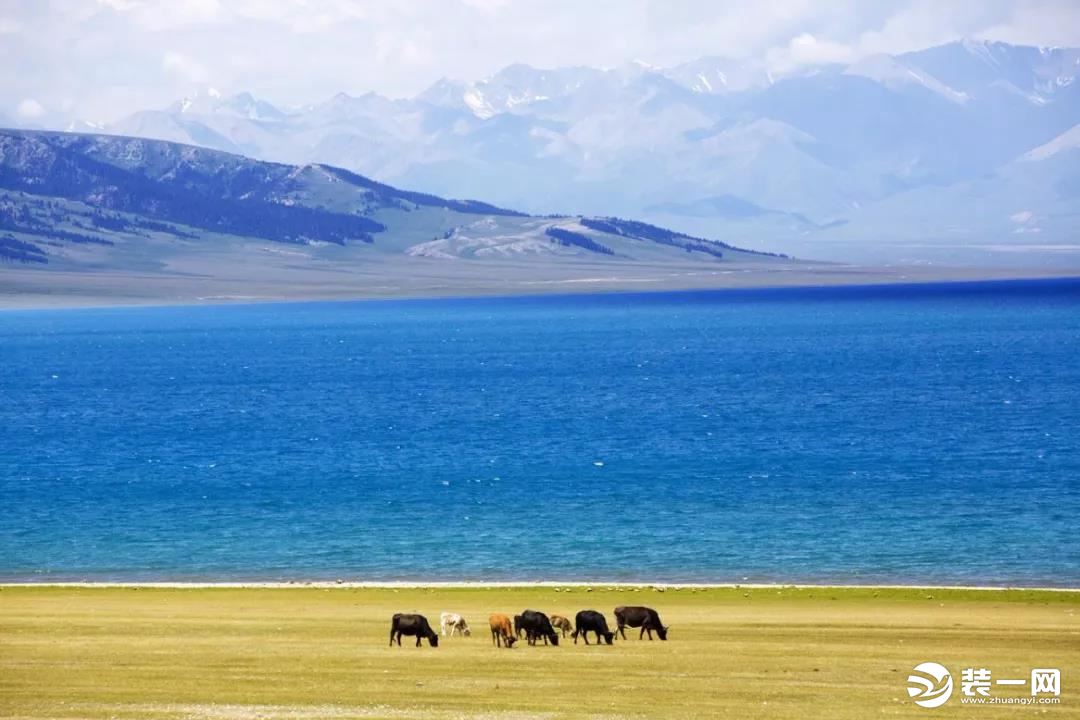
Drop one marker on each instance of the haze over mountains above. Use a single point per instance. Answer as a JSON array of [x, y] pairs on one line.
[[967, 151]]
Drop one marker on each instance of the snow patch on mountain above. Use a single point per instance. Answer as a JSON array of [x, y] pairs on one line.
[[720, 76], [894, 74], [1068, 140]]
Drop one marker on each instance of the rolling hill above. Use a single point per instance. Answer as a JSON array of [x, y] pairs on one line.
[[162, 219]]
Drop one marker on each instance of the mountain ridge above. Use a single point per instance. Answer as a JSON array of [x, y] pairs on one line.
[[830, 149], [125, 184]]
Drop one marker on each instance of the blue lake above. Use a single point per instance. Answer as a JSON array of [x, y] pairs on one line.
[[910, 435]]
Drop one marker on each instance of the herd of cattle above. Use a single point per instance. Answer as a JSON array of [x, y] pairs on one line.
[[534, 625]]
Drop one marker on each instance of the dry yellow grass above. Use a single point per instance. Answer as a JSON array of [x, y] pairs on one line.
[[322, 653]]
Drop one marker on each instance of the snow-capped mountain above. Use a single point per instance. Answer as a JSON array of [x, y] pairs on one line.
[[511, 89], [830, 153], [241, 105], [721, 76], [981, 68]]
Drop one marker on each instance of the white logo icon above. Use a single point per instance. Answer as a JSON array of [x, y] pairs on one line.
[[930, 685]]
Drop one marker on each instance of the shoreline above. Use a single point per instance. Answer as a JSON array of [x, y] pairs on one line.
[[37, 302], [507, 585]]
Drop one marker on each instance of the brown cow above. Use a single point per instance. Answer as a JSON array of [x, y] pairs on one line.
[[561, 623], [502, 630]]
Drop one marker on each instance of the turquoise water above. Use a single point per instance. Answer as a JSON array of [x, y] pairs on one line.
[[852, 435]]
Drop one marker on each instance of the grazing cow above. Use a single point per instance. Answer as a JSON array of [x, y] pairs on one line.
[[588, 621], [537, 625], [561, 623], [454, 623], [406, 624], [502, 631], [643, 617]]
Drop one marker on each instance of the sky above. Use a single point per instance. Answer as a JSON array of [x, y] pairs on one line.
[[100, 60]]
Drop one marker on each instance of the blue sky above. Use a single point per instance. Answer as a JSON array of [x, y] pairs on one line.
[[102, 59]]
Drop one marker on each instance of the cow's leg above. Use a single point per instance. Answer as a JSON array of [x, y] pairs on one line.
[[391, 637], [418, 636], [621, 629], [641, 635], [586, 636]]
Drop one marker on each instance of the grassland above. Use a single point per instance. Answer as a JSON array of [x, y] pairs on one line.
[[90, 652]]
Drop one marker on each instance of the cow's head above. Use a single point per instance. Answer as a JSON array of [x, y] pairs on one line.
[[509, 641], [433, 639], [466, 631], [662, 632], [554, 638], [610, 638]]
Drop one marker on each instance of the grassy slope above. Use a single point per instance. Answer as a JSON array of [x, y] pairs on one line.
[[309, 652]]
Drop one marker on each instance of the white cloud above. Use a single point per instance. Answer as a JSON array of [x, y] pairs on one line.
[[29, 109], [112, 57], [118, 4], [805, 49], [184, 67], [165, 14], [407, 49]]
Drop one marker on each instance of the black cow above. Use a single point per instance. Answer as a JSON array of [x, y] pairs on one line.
[[405, 624], [538, 625], [588, 621], [518, 630], [643, 617]]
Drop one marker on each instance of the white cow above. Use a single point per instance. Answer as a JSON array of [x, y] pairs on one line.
[[453, 622]]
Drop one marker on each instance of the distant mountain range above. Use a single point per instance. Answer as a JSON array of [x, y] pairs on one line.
[[102, 203], [970, 143]]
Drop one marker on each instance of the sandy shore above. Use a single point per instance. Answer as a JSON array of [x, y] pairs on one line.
[[539, 584], [22, 289]]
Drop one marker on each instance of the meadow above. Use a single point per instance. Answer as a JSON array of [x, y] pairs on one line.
[[322, 652]]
